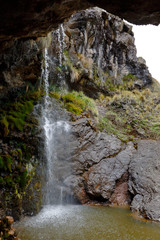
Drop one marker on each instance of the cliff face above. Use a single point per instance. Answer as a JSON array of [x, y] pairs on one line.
[[97, 50], [109, 171], [20, 66], [93, 52]]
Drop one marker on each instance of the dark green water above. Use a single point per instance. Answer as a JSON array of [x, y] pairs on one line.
[[86, 223]]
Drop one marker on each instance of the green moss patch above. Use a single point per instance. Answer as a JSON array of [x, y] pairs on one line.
[[15, 175], [14, 116], [76, 102]]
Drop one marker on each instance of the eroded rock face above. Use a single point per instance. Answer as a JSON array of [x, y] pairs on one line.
[[20, 67], [97, 51], [93, 51], [144, 180], [92, 146], [38, 17], [102, 177], [101, 165], [107, 171]]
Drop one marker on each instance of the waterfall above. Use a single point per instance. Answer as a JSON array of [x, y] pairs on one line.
[[56, 131], [60, 36], [61, 42]]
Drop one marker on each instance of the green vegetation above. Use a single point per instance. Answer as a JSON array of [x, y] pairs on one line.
[[15, 175], [76, 102], [114, 124], [68, 63], [14, 116], [127, 83], [132, 114]]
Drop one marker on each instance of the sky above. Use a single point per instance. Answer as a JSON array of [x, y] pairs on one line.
[[147, 40]]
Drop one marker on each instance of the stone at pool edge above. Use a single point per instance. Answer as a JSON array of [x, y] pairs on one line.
[[144, 180], [6, 228]]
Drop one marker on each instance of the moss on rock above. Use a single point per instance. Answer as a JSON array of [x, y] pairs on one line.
[[76, 102], [17, 148]]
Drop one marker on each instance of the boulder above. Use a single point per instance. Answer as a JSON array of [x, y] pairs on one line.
[[101, 163], [101, 178], [144, 179]]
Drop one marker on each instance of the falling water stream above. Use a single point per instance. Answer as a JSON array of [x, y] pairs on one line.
[[58, 221], [56, 145]]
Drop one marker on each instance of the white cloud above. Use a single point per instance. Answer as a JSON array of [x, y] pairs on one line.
[[147, 40]]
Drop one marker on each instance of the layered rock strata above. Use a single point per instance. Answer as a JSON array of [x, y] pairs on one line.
[[97, 51]]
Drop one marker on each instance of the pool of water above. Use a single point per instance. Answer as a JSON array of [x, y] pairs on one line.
[[74, 222]]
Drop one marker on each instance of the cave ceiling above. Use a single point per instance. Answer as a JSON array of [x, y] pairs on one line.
[[31, 19]]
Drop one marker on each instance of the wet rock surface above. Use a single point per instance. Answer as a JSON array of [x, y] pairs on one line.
[[20, 68], [20, 165]]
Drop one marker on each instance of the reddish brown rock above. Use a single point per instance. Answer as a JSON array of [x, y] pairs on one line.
[[6, 229], [10, 220], [121, 194]]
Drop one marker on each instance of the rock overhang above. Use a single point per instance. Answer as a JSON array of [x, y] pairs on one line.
[[23, 19]]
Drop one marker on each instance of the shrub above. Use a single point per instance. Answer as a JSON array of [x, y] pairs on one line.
[[2, 165], [5, 125], [76, 102], [140, 110], [73, 108]]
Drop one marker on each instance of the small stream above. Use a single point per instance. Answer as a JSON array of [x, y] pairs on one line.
[[73, 222]]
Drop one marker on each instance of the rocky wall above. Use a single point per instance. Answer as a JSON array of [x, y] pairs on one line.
[[94, 51], [110, 172], [38, 17]]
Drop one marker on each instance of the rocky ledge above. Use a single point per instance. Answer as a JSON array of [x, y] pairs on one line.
[[93, 51], [108, 171]]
